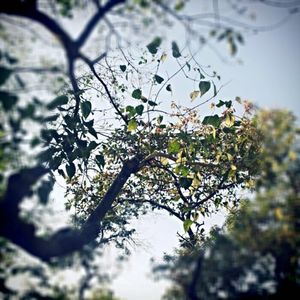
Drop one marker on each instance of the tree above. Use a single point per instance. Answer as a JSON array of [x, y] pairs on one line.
[[256, 256], [110, 129]]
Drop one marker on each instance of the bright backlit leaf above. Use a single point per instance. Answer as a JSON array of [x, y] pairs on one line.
[[187, 224], [173, 147], [229, 120], [132, 125], [163, 57], [194, 95]]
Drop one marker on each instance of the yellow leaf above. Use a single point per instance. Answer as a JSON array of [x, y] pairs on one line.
[[250, 183], [196, 182], [229, 156], [292, 155], [164, 161], [163, 57], [194, 95], [214, 132], [132, 125], [278, 213], [229, 120]]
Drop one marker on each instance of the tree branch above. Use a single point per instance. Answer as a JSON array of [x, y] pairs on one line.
[[64, 241], [91, 66], [102, 11]]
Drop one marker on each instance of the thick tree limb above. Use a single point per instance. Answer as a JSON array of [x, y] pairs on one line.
[[192, 288], [65, 241], [28, 9], [102, 11]]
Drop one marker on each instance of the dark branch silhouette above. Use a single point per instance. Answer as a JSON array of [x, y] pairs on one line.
[[64, 241]]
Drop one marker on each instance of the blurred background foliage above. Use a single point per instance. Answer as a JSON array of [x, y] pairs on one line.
[[256, 255]]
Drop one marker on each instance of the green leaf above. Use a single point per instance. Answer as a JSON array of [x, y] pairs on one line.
[[214, 120], [173, 147], [168, 88], [35, 142], [188, 66], [132, 125], [100, 161], [44, 190], [131, 110], [187, 224], [159, 119], [28, 111], [228, 104], [93, 132], [152, 103], [153, 46], [4, 74], [58, 101], [51, 118], [123, 68], [185, 182], [232, 47], [204, 87], [71, 169], [137, 94], [92, 145], [215, 89], [86, 108], [61, 173], [8, 100], [179, 5], [220, 104], [240, 38], [158, 79], [139, 109], [175, 50]]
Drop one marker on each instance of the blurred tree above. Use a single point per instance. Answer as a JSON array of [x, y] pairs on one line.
[[256, 255]]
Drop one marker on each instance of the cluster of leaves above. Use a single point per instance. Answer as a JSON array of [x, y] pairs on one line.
[[256, 255], [187, 164]]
